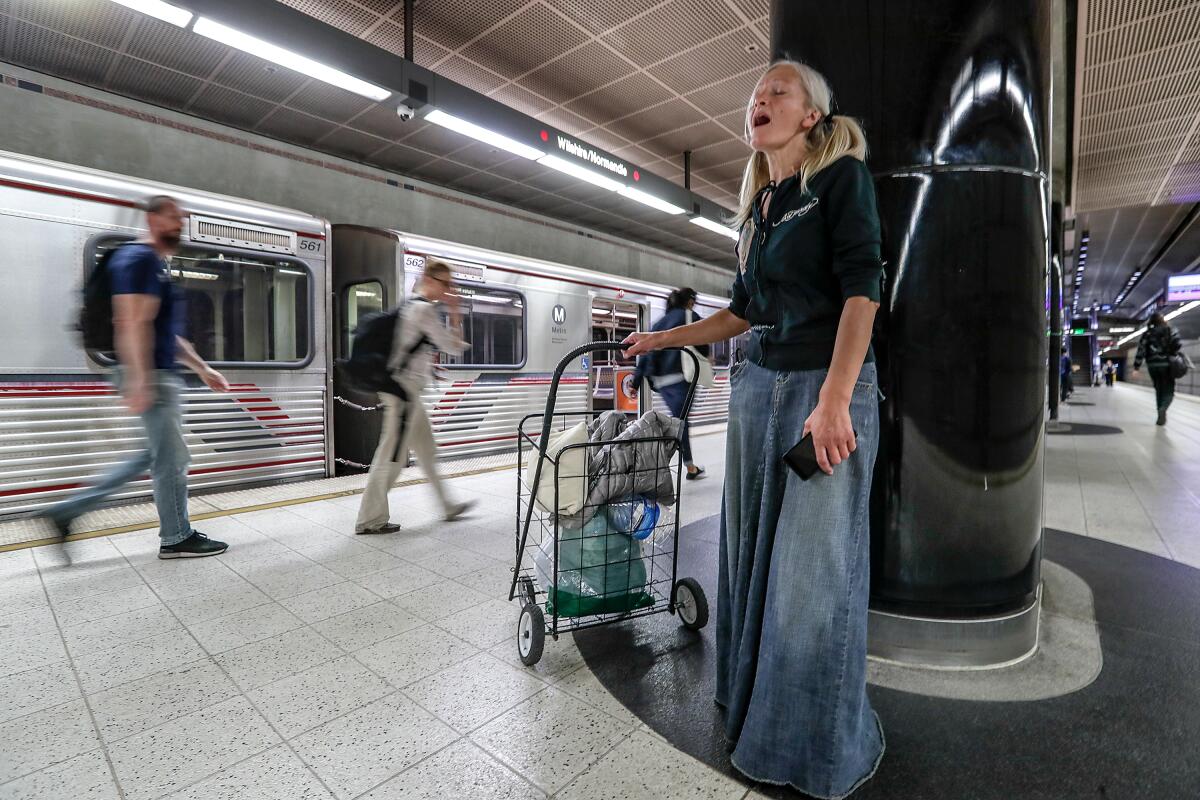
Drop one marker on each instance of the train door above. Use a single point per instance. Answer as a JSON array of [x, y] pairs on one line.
[[368, 276], [612, 321]]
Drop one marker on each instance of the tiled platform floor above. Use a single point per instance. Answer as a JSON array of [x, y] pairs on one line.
[[308, 663]]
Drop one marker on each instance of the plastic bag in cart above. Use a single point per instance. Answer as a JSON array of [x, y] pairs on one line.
[[600, 568]]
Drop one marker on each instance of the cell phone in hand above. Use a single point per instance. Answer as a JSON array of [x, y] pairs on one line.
[[802, 458]]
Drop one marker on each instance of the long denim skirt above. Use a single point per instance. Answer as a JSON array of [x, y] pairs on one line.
[[794, 584]]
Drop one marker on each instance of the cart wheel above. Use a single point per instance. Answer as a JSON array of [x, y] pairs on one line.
[[526, 592], [531, 634], [691, 604]]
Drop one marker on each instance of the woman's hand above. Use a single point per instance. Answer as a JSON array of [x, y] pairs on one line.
[[636, 344], [832, 432]]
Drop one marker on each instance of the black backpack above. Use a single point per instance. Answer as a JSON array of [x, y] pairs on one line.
[[95, 323], [371, 350]]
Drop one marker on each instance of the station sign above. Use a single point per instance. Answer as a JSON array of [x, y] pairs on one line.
[[1183, 288], [589, 154]]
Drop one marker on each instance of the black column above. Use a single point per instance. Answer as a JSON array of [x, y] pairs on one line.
[[954, 96]]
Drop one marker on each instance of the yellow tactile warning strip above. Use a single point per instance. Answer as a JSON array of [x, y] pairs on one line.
[[227, 503]]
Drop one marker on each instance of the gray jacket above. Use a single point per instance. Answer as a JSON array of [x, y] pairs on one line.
[[628, 466]]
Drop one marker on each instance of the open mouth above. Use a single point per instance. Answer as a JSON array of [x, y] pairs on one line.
[[761, 118]]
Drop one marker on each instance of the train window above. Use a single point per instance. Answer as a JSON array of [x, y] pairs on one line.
[[719, 353], [242, 308], [493, 321], [359, 299]]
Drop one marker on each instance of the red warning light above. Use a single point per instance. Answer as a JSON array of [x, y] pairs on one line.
[[637, 176], [545, 136]]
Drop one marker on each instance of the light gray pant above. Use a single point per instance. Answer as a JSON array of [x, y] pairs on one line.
[[405, 427]]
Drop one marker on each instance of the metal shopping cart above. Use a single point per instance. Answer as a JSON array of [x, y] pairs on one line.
[[597, 525]]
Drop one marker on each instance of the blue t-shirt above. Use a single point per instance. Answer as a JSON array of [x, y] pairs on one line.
[[137, 269]]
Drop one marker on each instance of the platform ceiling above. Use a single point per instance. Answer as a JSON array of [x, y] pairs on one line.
[[643, 80]]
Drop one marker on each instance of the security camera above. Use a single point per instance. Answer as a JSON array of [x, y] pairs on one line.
[[405, 112]]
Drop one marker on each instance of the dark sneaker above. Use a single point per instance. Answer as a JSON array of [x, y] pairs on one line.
[[456, 510], [195, 546], [61, 529], [1162, 418], [387, 527]]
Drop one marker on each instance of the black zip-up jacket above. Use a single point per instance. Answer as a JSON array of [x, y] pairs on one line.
[[814, 250], [1157, 346]]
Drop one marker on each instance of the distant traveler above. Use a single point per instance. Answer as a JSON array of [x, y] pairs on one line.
[[1066, 384], [148, 322], [1110, 372], [1158, 344], [791, 633], [419, 332], [665, 369]]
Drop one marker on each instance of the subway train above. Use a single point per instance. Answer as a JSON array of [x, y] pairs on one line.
[[273, 297]]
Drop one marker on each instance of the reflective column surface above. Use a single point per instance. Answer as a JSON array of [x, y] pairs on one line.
[[954, 100]]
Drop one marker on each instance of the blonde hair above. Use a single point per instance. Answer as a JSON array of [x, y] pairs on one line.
[[437, 269], [826, 143]]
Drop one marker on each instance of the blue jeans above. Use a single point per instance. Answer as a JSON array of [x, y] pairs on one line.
[[166, 456], [793, 590], [674, 396]]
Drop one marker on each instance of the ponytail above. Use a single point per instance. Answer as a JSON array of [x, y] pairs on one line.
[[831, 138]]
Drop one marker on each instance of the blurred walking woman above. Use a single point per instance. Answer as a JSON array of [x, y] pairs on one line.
[[1157, 345], [792, 608]]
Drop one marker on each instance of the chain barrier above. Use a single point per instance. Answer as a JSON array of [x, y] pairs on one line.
[[348, 463], [355, 406]]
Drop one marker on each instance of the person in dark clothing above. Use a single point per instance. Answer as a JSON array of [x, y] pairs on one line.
[[664, 369], [1110, 372], [1066, 386], [1158, 344]]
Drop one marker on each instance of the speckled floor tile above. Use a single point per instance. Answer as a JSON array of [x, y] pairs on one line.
[[559, 659], [119, 665], [485, 625], [102, 634], [461, 770], [184, 750], [276, 774], [401, 580], [367, 747], [35, 689], [365, 564], [583, 684], [329, 601], [451, 562], [36, 741], [26, 652], [368, 625], [269, 660], [440, 600], [643, 766], [280, 584], [108, 604], [238, 595], [84, 777], [415, 654], [469, 694], [551, 737], [493, 581], [305, 700], [142, 704], [408, 545], [244, 627]]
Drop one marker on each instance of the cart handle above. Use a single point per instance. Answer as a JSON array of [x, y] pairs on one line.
[[548, 420]]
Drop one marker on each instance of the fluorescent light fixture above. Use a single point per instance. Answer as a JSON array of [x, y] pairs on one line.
[[583, 173], [1182, 310], [715, 227], [1123, 329], [650, 200], [159, 10], [460, 125], [286, 58], [1132, 336]]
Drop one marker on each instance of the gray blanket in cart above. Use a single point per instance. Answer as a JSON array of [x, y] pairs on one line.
[[628, 466]]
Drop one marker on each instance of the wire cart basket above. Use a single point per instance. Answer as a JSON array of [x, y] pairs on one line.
[[597, 524]]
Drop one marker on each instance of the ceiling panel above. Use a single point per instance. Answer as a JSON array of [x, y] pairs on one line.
[[130, 77], [621, 98], [329, 102], [295, 126], [43, 49], [579, 72], [353, 143], [99, 22], [601, 17], [734, 53], [525, 42], [168, 46], [672, 28], [236, 108], [252, 75]]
